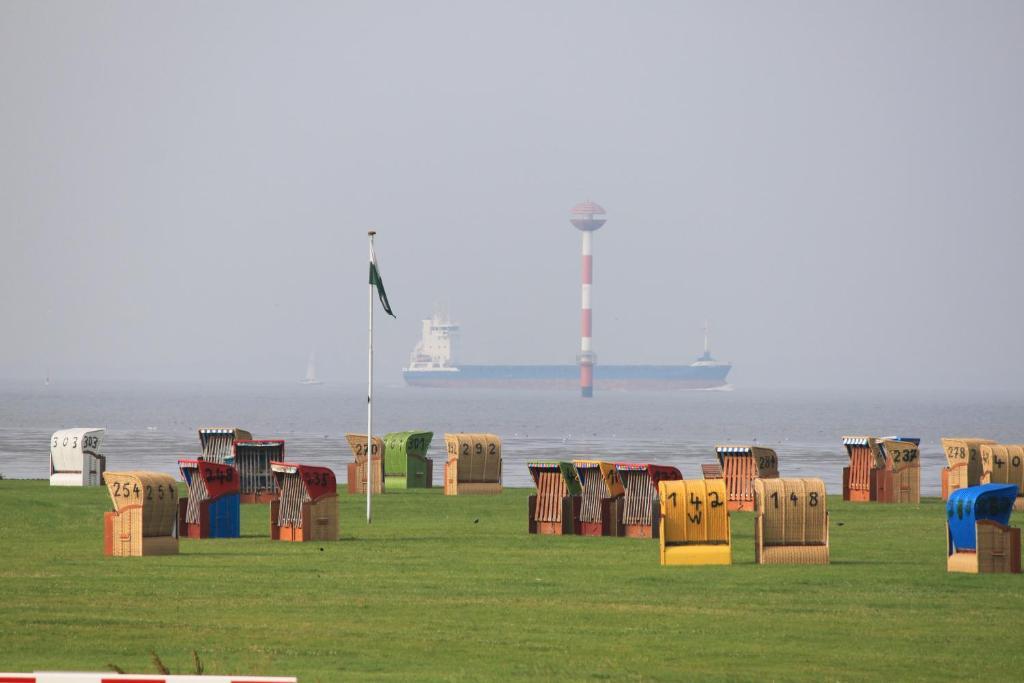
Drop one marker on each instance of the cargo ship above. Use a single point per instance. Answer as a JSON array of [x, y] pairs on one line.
[[433, 364]]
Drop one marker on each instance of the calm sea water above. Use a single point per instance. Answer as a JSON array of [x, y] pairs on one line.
[[150, 425]]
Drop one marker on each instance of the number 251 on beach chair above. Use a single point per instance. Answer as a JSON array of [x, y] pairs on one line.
[[978, 540], [694, 522]]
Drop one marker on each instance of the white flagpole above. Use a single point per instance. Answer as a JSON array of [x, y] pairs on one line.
[[369, 403]]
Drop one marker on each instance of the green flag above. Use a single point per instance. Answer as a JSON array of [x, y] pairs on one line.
[[378, 283]]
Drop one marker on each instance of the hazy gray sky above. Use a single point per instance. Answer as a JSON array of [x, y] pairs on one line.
[[185, 187]]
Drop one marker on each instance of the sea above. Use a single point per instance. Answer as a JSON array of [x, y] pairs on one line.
[[150, 425]]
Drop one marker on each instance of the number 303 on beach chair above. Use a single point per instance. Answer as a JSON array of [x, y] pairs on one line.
[[695, 522]]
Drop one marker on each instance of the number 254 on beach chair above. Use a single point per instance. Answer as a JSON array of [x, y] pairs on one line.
[[145, 512], [694, 522], [978, 540]]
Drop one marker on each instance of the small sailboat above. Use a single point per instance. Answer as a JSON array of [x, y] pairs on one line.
[[310, 377]]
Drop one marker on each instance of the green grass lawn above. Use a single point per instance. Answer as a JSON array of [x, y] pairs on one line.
[[454, 588]]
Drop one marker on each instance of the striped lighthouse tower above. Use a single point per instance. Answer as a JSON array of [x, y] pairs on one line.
[[587, 217]]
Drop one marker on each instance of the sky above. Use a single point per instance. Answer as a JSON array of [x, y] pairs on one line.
[[186, 187]]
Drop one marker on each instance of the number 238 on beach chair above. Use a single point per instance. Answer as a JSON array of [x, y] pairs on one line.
[[555, 508], [694, 522], [741, 465], [978, 540], [601, 506], [212, 507], [790, 521], [307, 509]]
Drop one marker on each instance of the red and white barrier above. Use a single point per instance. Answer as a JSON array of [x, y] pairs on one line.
[[81, 677]]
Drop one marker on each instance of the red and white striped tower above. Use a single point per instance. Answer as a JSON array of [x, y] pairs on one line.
[[587, 217]]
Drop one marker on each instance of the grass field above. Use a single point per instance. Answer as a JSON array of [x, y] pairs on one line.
[[455, 589]]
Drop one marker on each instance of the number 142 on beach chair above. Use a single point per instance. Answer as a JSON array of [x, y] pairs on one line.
[[695, 522]]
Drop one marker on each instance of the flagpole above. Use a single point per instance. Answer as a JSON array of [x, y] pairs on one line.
[[369, 399]]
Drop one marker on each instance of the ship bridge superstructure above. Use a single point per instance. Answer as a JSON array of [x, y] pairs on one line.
[[437, 348]]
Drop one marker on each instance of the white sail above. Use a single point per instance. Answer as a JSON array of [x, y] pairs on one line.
[[311, 371]]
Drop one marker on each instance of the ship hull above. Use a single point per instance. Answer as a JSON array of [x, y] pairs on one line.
[[606, 377]]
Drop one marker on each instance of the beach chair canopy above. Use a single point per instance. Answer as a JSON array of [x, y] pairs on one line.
[[967, 506]]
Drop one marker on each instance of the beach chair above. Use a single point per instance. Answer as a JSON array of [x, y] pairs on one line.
[[640, 509], [899, 478], [473, 465], [144, 516], [978, 538], [307, 509], [790, 521], [601, 501], [1004, 464], [741, 465], [216, 442], [356, 470], [965, 468], [211, 509], [257, 483], [694, 522], [75, 458], [711, 471], [406, 464], [555, 508], [858, 477]]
